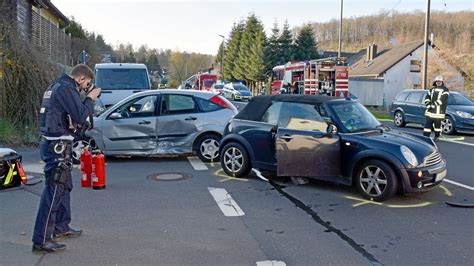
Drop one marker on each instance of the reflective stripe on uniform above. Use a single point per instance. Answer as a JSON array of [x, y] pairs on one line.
[[427, 130], [436, 129], [439, 116]]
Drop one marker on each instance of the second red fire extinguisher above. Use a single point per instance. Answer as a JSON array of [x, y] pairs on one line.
[[98, 170]]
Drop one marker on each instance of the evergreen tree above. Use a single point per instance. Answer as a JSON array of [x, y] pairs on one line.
[[152, 62], [286, 47], [218, 61], [256, 63], [272, 51], [232, 50], [305, 44], [244, 59]]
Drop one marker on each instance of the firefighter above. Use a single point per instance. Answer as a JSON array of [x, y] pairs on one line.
[[61, 111], [436, 101]]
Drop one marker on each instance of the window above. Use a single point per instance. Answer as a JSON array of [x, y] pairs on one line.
[[415, 65], [172, 104], [207, 106], [458, 99], [272, 114], [414, 97], [301, 116], [322, 111], [401, 97], [140, 107], [122, 79]]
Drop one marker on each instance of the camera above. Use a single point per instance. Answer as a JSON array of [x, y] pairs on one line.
[[91, 88]]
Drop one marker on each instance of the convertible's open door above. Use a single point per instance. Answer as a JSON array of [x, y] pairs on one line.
[[307, 153]]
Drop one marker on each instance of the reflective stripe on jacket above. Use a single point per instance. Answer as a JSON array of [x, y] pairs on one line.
[[436, 101]]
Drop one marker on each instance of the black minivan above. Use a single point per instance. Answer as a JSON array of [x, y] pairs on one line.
[[408, 107]]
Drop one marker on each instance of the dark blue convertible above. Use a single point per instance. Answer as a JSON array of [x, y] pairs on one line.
[[332, 139]]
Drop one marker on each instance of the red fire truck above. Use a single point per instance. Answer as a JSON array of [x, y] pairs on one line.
[[328, 76], [201, 82]]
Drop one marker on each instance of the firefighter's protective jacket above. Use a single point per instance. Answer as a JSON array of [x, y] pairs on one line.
[[61, 100], [436, 101]]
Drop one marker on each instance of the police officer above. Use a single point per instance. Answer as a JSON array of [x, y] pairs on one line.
[[62, 109], [436, 101]]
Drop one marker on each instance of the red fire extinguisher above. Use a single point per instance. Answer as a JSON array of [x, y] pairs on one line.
[[86, 168], [98, 170]]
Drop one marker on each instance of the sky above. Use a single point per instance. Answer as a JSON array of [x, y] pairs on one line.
[[195, 26]]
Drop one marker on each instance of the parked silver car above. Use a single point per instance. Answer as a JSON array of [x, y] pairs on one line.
[[161, 122]]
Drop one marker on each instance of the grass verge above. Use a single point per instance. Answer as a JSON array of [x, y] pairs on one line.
[[380, 114], [9, 135]]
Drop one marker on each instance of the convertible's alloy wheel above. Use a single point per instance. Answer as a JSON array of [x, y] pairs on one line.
[[447, 126], [210, 149], [233, 159], [373, 180]]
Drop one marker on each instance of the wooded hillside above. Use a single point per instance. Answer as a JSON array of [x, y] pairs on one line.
[[453, 34]]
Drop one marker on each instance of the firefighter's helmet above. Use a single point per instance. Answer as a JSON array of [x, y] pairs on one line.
[[439, 78]]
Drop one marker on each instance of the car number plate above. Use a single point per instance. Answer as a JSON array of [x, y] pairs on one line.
[[440, 176]]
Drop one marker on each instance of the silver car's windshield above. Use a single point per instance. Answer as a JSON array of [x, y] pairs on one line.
[[354, 116]]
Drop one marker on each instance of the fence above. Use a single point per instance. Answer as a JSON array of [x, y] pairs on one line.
[[50, 41]]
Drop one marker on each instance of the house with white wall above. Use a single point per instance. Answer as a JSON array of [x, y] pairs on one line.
[[379, 76]]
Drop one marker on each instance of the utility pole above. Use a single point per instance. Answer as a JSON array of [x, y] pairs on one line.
[[222, 58], [340, 32], [425, 48]]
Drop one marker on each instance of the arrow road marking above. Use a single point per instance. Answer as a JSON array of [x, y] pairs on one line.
[[225, 202]]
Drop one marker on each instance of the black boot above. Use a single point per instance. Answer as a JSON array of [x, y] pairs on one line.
[[48, 247]]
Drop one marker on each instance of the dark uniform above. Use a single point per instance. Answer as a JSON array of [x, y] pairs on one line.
[[436, 102], [61, 105]]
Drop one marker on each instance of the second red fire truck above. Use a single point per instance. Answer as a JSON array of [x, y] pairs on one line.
[[328, 76]]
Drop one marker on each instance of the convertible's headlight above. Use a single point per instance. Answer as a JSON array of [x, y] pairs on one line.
[[409, 155], [464, 114]]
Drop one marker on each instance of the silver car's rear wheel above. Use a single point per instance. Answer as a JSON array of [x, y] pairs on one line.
[[207, 148], [210, 149]]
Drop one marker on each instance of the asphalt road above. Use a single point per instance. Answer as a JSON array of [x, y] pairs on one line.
[[138, 220]]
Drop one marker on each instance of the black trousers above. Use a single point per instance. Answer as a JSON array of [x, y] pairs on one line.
[[432, 124]]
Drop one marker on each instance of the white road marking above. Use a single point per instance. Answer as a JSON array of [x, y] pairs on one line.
[[458, 184], [458, 142], [197, 164], [271, 263], [225, 202]]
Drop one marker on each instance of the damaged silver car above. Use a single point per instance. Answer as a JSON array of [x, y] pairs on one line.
[[164, 122]]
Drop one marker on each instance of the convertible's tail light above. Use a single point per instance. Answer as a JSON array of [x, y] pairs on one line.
[[219, 100]]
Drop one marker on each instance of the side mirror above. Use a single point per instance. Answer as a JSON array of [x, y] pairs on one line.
[[331, 129], [115, 116]]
